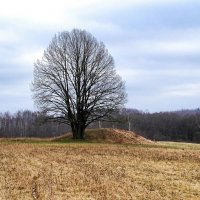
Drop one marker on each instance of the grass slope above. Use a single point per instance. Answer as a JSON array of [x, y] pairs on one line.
[[115, 136]]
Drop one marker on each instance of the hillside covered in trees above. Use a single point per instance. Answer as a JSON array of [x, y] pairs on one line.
[[182, 125]]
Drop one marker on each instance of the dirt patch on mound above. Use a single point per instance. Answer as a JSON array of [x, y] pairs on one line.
[[115, 136]]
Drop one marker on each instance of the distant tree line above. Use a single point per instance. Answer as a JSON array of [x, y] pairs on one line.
[[182, 125], [29, 124], [171, 126]]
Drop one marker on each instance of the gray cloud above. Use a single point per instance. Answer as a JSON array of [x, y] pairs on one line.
[[155, 45]]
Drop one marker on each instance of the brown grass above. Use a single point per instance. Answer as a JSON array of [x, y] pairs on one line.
[[98, 171]]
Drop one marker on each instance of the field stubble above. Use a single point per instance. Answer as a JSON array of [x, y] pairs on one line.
[[98, 171]]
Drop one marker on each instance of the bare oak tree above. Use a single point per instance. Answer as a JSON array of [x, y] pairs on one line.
[[75, 81]]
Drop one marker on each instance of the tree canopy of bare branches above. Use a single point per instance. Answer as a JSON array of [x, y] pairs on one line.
[[76, 82]]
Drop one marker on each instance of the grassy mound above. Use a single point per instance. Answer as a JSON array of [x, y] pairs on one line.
[[104, 135], [108, 135]]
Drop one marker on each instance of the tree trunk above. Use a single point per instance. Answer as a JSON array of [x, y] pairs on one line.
[[78, 131]]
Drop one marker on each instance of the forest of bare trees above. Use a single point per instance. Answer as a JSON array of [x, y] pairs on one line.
[[171, 126], [28, 124]]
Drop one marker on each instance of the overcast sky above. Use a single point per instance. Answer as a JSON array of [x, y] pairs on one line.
[[155, 45]]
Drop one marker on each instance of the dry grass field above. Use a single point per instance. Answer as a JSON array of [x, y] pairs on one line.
[[83, 171]]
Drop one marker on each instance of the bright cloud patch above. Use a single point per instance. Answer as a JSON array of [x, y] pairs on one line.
[[184, 90]]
